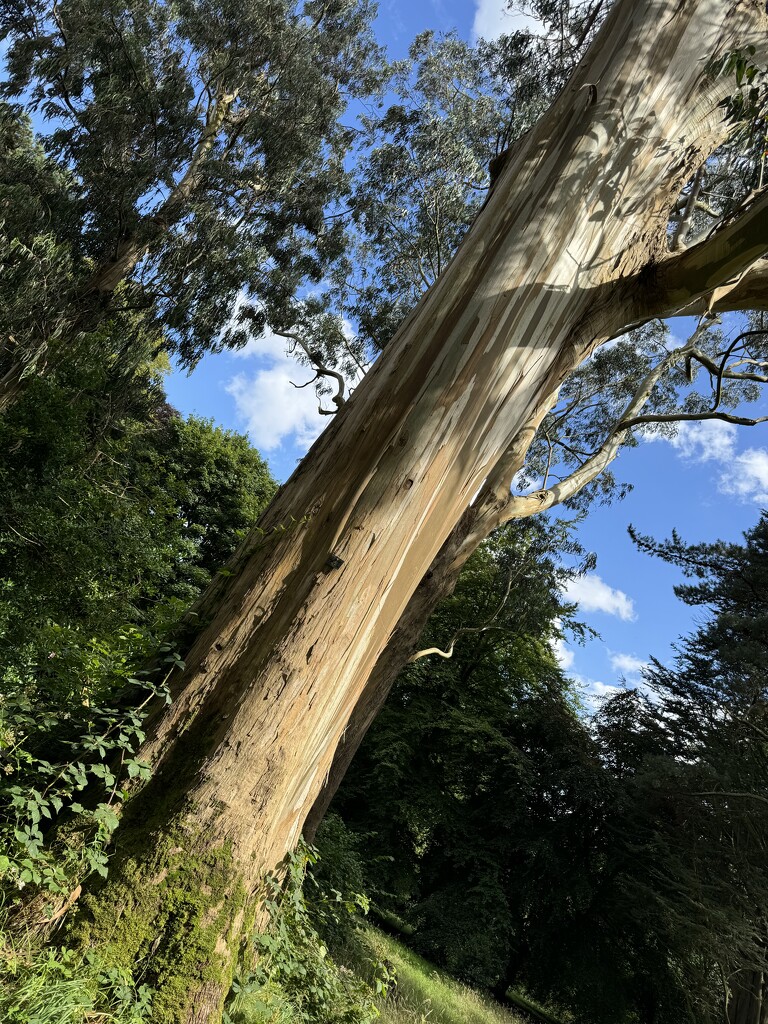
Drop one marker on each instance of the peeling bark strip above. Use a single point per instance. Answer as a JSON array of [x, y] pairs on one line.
[[555, 263]]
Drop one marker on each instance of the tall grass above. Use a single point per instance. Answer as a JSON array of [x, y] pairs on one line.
[[45, 985]]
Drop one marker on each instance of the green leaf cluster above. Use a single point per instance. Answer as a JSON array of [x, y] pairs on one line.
[[115, 513], [295, 980]]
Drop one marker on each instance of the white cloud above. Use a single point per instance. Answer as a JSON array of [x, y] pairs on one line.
[[267, 345], [592, 594], [592, 690], [627, 664], [705, 440], [273, 409], [746, 476], [493, 19], [602, 689]]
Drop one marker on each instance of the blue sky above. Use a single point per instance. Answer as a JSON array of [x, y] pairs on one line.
[[710, 483]]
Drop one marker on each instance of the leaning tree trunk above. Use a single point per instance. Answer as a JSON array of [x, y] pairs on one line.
[[490, 509], [556, 263], [437, 584]]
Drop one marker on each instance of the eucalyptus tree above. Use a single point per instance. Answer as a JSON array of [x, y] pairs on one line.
[[456, 112], [570, 250], [195, 151]]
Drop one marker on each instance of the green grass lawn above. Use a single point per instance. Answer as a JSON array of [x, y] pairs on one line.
[[426, 995]]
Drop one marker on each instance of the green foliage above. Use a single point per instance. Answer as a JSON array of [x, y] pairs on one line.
[[336, 880], [114, 514], [58, 986], [295, 980], [747, 106], [696, 771], [37, 792], [37, 212], [113, 511], [188, 154]]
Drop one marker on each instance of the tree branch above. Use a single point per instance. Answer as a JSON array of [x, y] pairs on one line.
[[322, 370], [743, 796], [678, 417], [522, 505], [109, 275], [724, 272], [488, 624]]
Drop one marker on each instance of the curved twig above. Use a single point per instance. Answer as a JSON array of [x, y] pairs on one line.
[[316, 359]]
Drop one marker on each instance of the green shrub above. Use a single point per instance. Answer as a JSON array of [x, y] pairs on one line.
[[295, 980]]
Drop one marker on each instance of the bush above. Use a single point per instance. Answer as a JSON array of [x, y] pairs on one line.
[[295, 980]]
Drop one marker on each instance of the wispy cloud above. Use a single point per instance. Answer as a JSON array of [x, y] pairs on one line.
[[626, 664], [744, 474], [593, 691], [592, 594], [705, 441], [602, 689], [562, 653], [494, 18]]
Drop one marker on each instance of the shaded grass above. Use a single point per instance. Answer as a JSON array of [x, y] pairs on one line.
[[44, 985]]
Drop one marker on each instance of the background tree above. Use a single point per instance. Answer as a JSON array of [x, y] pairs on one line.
[[115, 514], [115, 511], [616, 871], [713, 702], [194, 153]]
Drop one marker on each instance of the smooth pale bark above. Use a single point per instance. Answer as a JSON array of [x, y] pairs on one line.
[[556, 263], [492, 507]]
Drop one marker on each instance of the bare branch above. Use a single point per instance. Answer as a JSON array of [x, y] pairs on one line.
[[520, 506], [677, 417], [487, 625], [743, 796], [316, 359]]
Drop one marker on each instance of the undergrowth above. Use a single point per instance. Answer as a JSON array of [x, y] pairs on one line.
[[423, 995], [50, 756], [45, 985], [294, 979]]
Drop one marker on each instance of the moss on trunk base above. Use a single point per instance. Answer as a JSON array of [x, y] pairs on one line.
[[173, 916]]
